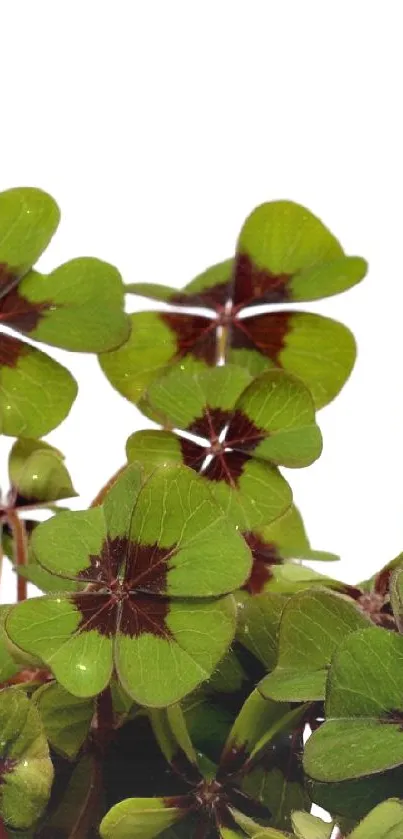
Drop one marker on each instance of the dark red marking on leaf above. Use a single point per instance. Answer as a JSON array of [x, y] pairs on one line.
[[256, 286], [265, 554], [227, 466], [147, 568], [243, 434], [11, 350], [214, 297], [263, 333], [210, 424], [127, 587], [20, 313], [142, 614], [193, 455], [104, 567], [99, 612], [194, 335], [7, 765]]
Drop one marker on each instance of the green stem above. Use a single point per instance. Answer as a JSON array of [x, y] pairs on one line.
[[20, 549]]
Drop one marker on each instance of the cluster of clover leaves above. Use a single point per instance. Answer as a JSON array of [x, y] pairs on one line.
[[183, 673]]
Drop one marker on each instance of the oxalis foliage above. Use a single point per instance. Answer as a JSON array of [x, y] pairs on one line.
[[184, 673]]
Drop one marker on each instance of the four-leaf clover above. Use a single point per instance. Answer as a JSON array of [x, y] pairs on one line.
[[155, 565], [284, 255]]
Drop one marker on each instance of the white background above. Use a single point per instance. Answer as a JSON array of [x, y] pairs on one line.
[[158, 126]]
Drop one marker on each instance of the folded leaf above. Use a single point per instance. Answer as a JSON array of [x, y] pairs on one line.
[[37, 473], [141, 818]]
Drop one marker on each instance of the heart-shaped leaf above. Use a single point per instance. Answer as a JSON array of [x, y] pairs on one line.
[[158, 558], [36, 392], [313, 624], [26, 771], [150, 347], [319, 351], [37, 473], [364, 710], [79, 306]]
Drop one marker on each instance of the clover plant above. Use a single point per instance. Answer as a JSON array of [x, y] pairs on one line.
[[179, 670]]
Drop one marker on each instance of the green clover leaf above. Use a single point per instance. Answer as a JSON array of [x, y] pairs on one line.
[[79, 306], [158, 560], [364, 710], [284, 254], [240, 429], [313, 624]]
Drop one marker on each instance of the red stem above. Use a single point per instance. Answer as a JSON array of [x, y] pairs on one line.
[[105, 720], [3, 831], [20, 547]]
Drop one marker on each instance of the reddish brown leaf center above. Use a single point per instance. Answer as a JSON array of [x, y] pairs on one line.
[[127, 590], [229, 435], [253, 285]]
